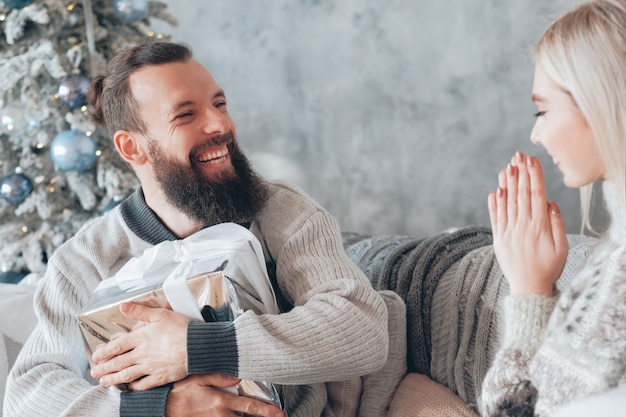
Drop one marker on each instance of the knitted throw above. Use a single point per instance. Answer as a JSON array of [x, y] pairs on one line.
[[453, 289]]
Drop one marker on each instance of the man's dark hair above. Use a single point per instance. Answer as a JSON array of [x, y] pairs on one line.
[[111, 102]]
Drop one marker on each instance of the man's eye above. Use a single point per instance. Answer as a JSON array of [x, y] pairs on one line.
[[539, 113], [183, 115], [220, 104]]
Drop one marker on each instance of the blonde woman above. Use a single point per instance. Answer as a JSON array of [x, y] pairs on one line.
[[559, 348]]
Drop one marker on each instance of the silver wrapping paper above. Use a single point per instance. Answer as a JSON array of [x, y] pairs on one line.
[[223, 294]]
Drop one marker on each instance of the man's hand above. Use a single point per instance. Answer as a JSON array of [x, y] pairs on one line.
[[529, 237], [199, 395], [150, 355]]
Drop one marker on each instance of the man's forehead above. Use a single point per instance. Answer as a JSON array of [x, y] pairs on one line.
[[173, 82]]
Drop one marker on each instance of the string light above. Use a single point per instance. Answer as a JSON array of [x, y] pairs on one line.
[[24, 229], [99, 152]]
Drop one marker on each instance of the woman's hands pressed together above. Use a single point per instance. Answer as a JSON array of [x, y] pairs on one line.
[[529, 234]]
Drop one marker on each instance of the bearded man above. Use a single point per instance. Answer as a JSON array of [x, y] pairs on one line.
[[169, 121]]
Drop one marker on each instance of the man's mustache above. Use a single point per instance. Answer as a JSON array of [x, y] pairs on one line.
[[216, 141]]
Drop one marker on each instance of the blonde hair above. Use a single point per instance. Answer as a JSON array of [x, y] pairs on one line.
[[584, 52]]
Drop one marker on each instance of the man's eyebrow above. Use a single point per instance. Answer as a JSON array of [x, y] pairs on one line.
[[176, 108]]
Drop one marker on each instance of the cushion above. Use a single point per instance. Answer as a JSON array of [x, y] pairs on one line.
[[419, 396], [17, 321]]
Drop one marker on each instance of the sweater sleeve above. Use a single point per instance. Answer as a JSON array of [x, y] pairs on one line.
[[49, 376], [337, 329], [506, 384]]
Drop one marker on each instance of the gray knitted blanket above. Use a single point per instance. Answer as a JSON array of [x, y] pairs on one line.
[[453, 290]]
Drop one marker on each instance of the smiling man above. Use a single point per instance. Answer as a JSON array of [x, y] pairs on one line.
[[169, 121]]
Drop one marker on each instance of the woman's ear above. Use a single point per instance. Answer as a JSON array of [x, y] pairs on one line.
[[128, 147]]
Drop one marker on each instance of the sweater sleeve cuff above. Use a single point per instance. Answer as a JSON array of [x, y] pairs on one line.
[[526, 317], [150, 403], [212, 348]]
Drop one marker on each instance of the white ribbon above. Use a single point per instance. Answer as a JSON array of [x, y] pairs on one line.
[[204, 251]]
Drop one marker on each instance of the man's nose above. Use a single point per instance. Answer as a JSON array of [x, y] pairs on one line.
[[216, 122]]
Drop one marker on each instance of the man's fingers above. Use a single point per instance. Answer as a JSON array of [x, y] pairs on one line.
[[140, 312], [250, 406], [113, 365], [215, 380], [145, 383], [121, 344], [124, 376]]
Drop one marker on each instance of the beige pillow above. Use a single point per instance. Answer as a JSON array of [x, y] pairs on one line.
[[419, 396]]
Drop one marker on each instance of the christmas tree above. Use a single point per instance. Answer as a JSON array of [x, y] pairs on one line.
[[57, 169]]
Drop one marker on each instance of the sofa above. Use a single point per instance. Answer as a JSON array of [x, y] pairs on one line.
[[449, 325]]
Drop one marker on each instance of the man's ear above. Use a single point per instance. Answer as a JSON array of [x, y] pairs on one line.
[[128, 147]]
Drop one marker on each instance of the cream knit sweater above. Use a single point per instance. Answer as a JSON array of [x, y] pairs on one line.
[[558, 350], [334, 326]]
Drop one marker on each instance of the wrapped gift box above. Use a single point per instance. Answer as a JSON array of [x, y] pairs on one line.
[[213, 275]]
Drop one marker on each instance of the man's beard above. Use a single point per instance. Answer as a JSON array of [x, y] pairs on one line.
[[237, 196]]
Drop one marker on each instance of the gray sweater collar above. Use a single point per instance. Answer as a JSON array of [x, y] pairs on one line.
[[143, 221]]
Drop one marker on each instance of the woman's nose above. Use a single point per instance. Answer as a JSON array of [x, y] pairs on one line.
[[534, 136]]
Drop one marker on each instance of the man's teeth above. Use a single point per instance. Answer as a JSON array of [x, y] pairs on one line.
[[214, 157]]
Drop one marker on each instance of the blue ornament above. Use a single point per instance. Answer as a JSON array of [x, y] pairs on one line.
[[15, 188], [11, 277], [129, 11], [73, 90], [17, 4], [73, 150]]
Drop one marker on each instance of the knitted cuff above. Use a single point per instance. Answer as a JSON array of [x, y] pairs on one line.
[[150, 403], [526, 317], [212, 347]]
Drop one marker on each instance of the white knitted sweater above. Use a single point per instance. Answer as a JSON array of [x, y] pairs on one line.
[[336, 330], [558, 350]]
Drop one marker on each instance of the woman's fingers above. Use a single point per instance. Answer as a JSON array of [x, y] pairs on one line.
[[559, 233], [496, 204], [511, 193], [539, 200], [524, 197], [492, 206]]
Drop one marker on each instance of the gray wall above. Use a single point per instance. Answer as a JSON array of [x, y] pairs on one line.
[[395, 115]]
